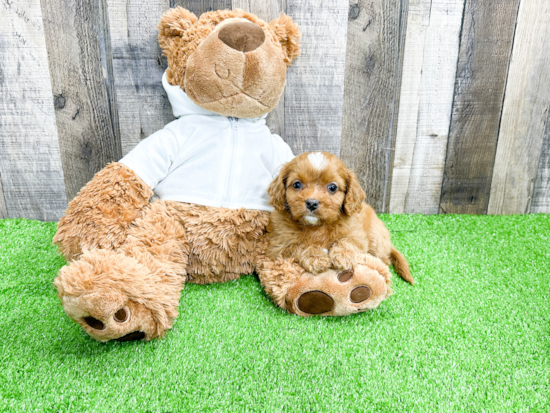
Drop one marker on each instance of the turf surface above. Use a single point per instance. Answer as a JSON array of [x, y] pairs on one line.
[[472, 335]]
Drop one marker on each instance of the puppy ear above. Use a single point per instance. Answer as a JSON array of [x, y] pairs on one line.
[[355, 195], [277, 189], [289, 36], [174, 23]]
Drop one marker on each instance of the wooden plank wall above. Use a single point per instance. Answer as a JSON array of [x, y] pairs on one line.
[[374, 58], [30, 161], [485, 49], [440, 106], [524, 114], [87, 123], [425, 111]]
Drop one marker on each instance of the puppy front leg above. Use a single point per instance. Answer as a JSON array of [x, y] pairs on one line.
[[342, 254], [313, 259]]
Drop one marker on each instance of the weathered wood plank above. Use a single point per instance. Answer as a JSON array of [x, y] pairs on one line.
[[418, 19], [315, 81], [372, 78], [541, 194], [88, 131], [390, 154], [201, 6], [30, 164], [525, 112], [3, 209], [485, 49], [268, 10], [138, 65], [417, 179]]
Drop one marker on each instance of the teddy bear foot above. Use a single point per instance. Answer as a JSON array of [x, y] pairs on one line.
[[339, 293], [115, 297]]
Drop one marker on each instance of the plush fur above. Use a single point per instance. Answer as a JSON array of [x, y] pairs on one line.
[[129, 256], [321, 219]]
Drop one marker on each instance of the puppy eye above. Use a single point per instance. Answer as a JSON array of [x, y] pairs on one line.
[[297, 185], [332, 187]]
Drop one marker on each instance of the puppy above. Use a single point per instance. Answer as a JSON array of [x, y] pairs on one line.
[[321, 219]]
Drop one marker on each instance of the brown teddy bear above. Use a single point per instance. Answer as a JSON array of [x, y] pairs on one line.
[[130, 254]]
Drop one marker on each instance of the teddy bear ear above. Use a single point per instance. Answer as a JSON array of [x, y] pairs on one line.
[[174, 22], [289, 36]]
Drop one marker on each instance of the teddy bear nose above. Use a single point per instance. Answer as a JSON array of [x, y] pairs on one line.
[[242, 36]]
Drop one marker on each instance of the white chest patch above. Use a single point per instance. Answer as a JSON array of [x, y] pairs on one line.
[[318, 160], [311, 220]]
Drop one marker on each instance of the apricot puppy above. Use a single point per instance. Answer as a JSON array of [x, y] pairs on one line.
[[321, 219]]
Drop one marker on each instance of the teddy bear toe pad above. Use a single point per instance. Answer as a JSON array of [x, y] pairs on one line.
[[338, 293], [315, 302]]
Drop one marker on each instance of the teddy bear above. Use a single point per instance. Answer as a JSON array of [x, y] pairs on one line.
[[189, 203]]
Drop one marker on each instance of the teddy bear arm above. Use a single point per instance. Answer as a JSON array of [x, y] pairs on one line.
[[102, 212]]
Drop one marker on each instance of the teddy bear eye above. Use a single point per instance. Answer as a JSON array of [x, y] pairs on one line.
[[332, 187], [297, 185]]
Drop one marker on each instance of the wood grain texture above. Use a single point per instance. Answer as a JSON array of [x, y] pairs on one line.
[[201, 6], [138, 65], [418, 19], [315, 81], [372, 79], [268, 10], [30, 163], [420, 159], [485, 49], [541, 195], [525, 112], [88, 131], [3, 209]]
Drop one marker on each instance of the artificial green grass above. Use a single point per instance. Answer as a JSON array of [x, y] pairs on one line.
[[472, 335]]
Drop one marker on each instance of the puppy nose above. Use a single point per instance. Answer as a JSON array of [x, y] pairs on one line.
[[312, 204], [242, 36]]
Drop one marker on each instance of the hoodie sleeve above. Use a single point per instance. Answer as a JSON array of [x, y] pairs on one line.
[[152, 157], [282, 155]]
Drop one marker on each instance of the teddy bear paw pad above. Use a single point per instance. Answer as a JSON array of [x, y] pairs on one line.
[[315, 302], [136, 335], [338, 293], [360, 294]]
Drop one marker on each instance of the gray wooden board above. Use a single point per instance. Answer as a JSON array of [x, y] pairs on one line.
[[372, 80], [390, 154], [138, 65], [88, 133], [30, 163], [485, 49], [3, 209], [541, 195], [524, 112], [268, 10], [429, 70], [201, 6], [315, 81], [107, 63]]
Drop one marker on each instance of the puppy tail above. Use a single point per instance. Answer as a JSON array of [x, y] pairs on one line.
[[401, 265]]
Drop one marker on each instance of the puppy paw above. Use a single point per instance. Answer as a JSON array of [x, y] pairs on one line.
[[317, 261], [341, 258]]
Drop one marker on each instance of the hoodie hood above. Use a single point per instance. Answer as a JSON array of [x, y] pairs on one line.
[[182, 105]]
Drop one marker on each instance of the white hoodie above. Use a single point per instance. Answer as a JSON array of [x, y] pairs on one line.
[[208, 159]]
